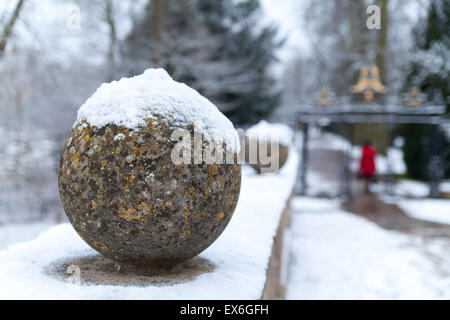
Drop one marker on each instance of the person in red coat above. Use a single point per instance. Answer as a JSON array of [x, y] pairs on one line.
[[367, 167]]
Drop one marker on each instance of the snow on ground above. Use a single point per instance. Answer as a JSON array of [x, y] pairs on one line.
[[319, 184], [241, 253], [393, 161], [418, 189], [336, 255], [445, 186], [13, 233], [271, 131], [435, 210], [411, 188]]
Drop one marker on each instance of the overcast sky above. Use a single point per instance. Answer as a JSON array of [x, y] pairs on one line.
[[289, 18]]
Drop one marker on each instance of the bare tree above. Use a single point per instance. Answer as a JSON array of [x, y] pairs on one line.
[[110, 20], [9, 26], [383, 38], [158, 17]]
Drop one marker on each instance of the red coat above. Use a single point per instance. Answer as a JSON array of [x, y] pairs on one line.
[[367, 166]]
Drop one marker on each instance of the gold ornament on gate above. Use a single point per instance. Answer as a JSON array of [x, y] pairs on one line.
[[414, 98], [324, 98], [369, 83]]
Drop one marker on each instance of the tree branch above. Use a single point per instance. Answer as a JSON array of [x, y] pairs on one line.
[[9, 26]]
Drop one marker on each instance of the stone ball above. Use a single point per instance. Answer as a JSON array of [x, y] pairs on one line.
[[265, 134], [121, 189], [127, 199], [252, 147]]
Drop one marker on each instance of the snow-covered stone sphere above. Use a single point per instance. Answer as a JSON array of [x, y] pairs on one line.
[[275, 138], [121, 189]]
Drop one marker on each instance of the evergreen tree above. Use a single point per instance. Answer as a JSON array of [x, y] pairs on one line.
[[430, 68], [430, 72], [217, 47]]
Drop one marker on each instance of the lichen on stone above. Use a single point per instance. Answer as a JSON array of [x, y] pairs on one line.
[[129, 201]]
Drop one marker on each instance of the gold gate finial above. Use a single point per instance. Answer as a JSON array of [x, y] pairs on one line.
[[369, 82], [324, 98], [414, 99]]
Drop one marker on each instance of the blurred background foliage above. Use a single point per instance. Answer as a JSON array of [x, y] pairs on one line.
[[253, 58], [429, 70]]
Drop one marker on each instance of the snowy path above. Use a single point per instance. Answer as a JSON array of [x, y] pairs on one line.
[[337, 255], [395, 249]]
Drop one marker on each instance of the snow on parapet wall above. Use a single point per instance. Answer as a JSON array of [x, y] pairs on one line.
[[272, 131], [129, 101], [240, 255]]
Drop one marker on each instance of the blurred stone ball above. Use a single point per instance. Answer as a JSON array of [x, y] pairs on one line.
[[276, 159]]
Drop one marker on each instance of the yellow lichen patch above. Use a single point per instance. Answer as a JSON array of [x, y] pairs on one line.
[[75, 163], [101, 246], [144, 208], [213, 169], [187, 232], [131, 212], [131, 178], [129, 215]]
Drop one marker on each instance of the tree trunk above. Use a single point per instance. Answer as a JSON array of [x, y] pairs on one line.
[[157, 27], [109, 12], [9, 26], [382, 43]]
